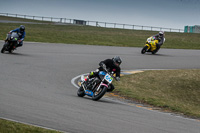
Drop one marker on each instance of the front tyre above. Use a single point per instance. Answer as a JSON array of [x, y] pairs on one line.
[[81, 92], [3, 49], [144, 50], [99, 94]]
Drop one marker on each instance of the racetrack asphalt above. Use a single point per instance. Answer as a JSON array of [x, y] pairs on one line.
[[35, 88]]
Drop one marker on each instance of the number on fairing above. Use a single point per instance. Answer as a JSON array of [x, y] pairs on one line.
[[149, 40], [108, 78]]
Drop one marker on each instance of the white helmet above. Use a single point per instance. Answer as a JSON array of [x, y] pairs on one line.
[[161, 33]]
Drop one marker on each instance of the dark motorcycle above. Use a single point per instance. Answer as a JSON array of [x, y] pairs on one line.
[[97, 86], [11, 42]]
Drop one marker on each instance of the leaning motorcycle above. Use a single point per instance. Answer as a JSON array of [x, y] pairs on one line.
[[11, 42], [96, 87], [150, 45]]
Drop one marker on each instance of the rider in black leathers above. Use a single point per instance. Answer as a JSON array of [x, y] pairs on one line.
[[109, 65]]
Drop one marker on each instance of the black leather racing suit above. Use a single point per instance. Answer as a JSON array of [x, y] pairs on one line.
[[110, 67]]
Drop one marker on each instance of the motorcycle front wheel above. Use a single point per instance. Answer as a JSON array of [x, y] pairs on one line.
[[3, 49], [144, 50], [99, 93]]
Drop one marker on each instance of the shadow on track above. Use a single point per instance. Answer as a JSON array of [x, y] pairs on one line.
[[17, 54], [102, 100], [158, 55]]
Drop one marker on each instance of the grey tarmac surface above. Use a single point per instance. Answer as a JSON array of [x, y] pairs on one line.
[[35, 88]]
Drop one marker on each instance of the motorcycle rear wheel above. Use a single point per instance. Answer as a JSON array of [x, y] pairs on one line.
[[10, 50], [99, 94], [81, 92], [144, 50]]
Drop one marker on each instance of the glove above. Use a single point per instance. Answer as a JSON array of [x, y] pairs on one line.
[[19, 41], [117, 78], [9, 32]]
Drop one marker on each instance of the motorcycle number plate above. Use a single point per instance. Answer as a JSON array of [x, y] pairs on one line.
[[108, 78], [149, 40]]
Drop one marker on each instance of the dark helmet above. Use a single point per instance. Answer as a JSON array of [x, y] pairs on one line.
[[117, 60], [22, 28]]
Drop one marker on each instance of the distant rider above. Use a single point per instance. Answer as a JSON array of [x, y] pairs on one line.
[[109, 65], [161, 39], [21, 32]]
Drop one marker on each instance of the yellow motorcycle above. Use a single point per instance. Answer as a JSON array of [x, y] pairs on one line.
[[150, 45]]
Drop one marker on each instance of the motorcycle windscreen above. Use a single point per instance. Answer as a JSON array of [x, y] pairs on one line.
[[102, 73], [14, 35]]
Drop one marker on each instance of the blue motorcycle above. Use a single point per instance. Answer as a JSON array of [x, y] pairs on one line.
[[97, 86]]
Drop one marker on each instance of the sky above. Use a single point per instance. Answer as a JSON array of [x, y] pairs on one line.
[[158, 13]]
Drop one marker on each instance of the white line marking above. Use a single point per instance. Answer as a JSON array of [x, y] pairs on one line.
[[74, 79]]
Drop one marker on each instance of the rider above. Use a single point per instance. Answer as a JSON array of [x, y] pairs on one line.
[[161, 39], [109, 65], [22, 34]]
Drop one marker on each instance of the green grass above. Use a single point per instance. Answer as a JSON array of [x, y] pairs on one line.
[[15, 127], [73, 34], [179, 91], [174, 90]]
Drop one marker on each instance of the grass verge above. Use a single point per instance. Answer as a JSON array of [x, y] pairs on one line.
[[171, 90], [15, 127], [73, 34]]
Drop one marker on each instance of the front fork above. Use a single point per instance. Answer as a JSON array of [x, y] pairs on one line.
[[149, 46], [102, 84]]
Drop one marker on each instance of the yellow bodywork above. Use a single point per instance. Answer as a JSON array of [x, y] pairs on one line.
[[151, 43]]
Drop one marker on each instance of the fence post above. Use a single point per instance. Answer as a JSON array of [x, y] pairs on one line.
[[63, 20]]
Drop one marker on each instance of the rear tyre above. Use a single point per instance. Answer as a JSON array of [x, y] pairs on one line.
[[81, 92], [10, 51], [99, 94], [144, 50]]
